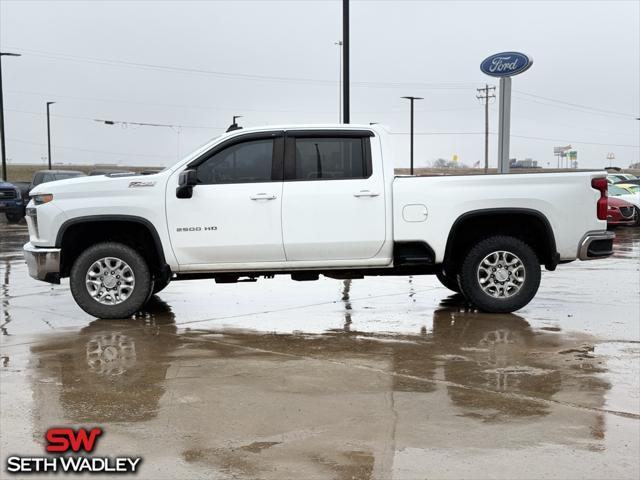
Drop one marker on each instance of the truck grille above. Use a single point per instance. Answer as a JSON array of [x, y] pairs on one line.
[[7, 194], [626, 212]]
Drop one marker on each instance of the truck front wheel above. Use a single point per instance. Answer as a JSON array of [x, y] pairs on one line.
[[500, 274], [110, 280], [14, 217]]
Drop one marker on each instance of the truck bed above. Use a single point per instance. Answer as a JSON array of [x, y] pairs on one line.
[[425, 207]]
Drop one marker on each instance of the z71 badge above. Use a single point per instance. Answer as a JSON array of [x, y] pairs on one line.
[[195, 229], [141, 184]]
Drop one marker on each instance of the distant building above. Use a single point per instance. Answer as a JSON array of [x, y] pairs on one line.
[[526, 163]]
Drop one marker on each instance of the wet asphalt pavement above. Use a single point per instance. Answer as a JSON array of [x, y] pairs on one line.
[[377, 378]]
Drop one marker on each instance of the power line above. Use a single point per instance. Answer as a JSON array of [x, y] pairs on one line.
[[75, 117], [575, 109], [439, 133], [573, 126], [523, 136], [226, 109], [88, 150], [241, 76], [167, 105], [577, 105], [575, 141]]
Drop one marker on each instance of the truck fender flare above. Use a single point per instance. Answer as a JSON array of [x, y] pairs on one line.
[[122, 218], [550, 263]]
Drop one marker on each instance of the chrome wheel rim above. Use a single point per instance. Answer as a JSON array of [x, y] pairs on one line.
[[110, 281], [111, 353], [501, 274]]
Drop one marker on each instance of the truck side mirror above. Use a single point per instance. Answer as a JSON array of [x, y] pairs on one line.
[[186, 181]]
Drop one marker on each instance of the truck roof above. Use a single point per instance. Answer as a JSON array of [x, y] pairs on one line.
[[312, 126]]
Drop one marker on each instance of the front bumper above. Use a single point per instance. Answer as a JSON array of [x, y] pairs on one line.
[[43, 262], [11, 206], [596, 244]]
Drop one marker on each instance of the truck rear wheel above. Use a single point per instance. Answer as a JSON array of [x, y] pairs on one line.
[[500, 274], [449, 282], [110, 280]]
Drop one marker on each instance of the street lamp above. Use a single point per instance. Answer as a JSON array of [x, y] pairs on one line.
[[2, 147], [175, 128], [49, 134], [412, 99]]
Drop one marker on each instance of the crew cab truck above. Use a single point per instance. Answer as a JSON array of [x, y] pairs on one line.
[[308, 201]]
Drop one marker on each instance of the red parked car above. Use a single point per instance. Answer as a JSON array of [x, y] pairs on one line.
[[620, 212]]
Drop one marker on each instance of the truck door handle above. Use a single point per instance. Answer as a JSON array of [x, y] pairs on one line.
[[263, 196], [365, 193]]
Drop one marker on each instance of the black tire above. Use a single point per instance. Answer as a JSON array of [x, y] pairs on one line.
[[637, 218], [449, 282], [14, 217], [506, 298], [142, 287]]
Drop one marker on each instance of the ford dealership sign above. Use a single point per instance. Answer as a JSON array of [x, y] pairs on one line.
[[506, 64]]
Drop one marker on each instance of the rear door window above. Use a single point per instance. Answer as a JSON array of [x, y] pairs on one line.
[[320, 158]]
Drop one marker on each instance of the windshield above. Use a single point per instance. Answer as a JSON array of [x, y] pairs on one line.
[[632, 188], [63, 175], [615, 191]]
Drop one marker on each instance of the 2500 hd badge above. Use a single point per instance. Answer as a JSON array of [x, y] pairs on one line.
[[196, 229]]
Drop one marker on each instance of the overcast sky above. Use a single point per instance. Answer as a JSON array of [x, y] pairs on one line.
[[198, 63]]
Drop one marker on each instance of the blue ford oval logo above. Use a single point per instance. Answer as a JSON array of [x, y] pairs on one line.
[[506, 64]]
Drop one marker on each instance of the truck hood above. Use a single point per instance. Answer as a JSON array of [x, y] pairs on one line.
[[94, 185], [7, 185]]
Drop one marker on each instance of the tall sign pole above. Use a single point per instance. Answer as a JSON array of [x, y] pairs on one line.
[[504, 66], [345, 59], [504, 124]]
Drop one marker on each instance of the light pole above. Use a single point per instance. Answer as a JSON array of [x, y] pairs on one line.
[[49, 134], [339, 44], [345, 55], [2, 147], [412, 99]]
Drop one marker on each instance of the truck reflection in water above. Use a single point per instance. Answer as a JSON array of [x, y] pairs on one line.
[[341, 403], [112, 371]]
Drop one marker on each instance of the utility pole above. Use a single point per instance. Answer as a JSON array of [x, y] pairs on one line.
[[49, 134], [485, 96], [611, 157], [345, 57], [412, 99], [339, 44], [3, 152]]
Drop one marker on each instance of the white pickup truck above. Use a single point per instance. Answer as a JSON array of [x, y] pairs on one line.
[[308, 201]]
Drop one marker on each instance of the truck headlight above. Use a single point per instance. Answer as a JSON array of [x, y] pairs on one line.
[[42, 198]]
